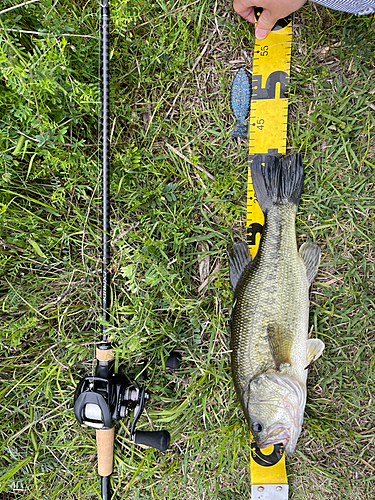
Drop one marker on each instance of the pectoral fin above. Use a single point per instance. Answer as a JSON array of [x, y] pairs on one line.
[[309, 253], [239, 259], [315, 348], [280, 346]]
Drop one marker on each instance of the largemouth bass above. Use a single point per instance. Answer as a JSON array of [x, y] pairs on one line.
[[269, 327]]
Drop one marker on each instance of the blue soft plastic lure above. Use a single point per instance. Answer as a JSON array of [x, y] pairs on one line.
[[240, 97]]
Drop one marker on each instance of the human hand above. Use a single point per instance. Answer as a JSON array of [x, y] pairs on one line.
[[273, 10]]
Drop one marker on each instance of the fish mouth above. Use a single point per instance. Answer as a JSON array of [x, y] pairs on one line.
[[277, 434]]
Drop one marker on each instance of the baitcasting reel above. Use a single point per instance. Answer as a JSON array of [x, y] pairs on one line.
[[103, 399]]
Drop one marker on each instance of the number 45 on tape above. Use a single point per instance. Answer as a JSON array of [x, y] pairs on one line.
[[265, 103]]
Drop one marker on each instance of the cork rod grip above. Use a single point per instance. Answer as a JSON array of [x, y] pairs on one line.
[[104, 442], [105, 355]]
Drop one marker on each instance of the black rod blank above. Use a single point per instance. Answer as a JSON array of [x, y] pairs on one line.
[[106, 488], [106, 292]]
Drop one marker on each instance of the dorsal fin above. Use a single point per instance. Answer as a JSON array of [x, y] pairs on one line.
[[238, 260]]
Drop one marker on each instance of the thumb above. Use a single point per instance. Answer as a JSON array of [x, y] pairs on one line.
[[265, 24]]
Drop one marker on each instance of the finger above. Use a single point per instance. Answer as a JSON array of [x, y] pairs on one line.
[[265, 24], [248, 15], [244, 11]]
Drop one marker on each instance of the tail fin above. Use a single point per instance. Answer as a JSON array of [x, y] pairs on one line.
[[277, 181]]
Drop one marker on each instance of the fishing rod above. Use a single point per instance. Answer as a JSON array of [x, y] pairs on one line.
[[104, 398]]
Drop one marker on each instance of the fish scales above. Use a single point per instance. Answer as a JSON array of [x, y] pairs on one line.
[[269, 326], [275, 291]]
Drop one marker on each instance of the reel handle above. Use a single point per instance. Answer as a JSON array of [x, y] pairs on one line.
[[153, 439], [173, 361], [104, 443]]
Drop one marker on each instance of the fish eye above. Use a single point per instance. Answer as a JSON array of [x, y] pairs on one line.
[[257, 427]]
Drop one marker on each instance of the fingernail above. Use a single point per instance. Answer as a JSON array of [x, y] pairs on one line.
[[261, 34]]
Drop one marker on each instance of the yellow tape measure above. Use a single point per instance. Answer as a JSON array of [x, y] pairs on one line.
[[267, 135], [268, 113]]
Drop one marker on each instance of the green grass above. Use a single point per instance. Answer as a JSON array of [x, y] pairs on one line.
[[178, 189]]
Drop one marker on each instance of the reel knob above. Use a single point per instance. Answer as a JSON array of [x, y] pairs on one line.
[[172, 362], [153, 439]]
